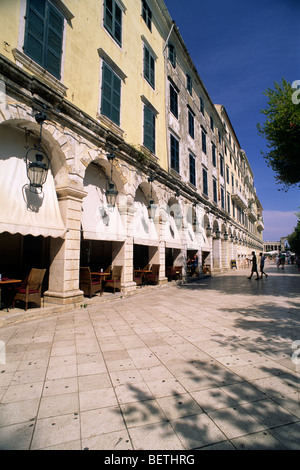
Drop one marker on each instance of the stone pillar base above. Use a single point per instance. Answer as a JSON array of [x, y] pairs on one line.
[[67, 298], [128, 287]]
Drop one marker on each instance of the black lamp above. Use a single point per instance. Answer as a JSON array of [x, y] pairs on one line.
[[208, 230], [111, 191], [151, 201], [37, 161]]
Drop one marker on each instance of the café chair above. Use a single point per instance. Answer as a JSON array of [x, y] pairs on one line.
[[154, 275], [114, 281], [30, 289], [87, 283]]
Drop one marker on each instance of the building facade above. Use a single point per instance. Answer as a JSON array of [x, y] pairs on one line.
[[108, 92]]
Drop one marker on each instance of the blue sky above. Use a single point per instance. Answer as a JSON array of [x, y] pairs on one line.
[[240, 48]]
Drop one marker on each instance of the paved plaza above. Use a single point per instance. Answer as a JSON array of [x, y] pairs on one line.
[[206, 365]]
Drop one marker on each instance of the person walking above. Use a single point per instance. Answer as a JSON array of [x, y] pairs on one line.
[[262, 265], [254, 267]]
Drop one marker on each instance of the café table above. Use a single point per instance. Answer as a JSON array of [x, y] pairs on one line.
[[102, 278], [5, 281], [144, 273]]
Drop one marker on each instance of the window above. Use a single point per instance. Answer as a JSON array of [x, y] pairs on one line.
[[147, 14], [191, 123], [221, 165], [172, 55], [113, 19], [174, 153], [202, 106], [203, 135], [215, 192], [228, 203], [149, 128], [211, 123], [213, 149], [149, 67], [222, 198], [110, 94], [227, 174], [205, 185], [173, 101], [189, 84], [44, 35], [192, 170]]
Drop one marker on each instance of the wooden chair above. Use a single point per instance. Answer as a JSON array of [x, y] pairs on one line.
[[138, 278], [174, 272], [115, 280], [87, 284], [153, 277], [31, 288]]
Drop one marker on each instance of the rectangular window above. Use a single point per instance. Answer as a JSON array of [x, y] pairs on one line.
[[172, 54], [113, 19], [203, 136], [174, 153], [44, 35], [147, 14], [192, 170], [205, 185], [228, 203], [189, 84], [221, 165], [202, 106], [173, 101], [149, 128], [222, 198], [149, 67], [213, 149], [211, 123], [227, 174], [191, 123], [110, 94], [215, 192]]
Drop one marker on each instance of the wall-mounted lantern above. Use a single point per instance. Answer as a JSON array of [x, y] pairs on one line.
[[208, 230], [151, 208], [37, 161], [111, 191], [218, 234]]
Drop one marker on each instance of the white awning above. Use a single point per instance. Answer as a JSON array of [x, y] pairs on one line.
[[171, 233], [144, 229], [23, 211], [99, 222]]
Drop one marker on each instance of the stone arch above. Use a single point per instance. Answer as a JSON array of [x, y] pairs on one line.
[[53, 140]]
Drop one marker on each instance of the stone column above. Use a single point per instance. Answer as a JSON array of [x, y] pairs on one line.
[[65, 253]]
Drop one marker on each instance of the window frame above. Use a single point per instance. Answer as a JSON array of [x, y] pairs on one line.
[[151, 136], [203, 141], [149, 68], [192, 169], [112, 30], [191, 123], [147, 14], [174, 158], [204, 181], [174, 92], [49, 31], [103, 97], [172, 54]]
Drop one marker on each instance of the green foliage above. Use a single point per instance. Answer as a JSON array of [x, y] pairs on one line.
[[294, 238], [282, 132]]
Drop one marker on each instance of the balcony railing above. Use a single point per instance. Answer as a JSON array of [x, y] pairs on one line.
[[239, 197]]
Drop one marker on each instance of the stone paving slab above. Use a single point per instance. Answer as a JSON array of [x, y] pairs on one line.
[[206, 365]]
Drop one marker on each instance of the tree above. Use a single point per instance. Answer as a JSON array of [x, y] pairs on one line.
[[294, 238], [282, 132]]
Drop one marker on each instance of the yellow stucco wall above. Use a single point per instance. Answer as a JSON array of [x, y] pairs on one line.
[[81, 71]]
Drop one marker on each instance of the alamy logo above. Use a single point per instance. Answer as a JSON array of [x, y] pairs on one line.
[[2, 353], [296, 94], [296, 354]]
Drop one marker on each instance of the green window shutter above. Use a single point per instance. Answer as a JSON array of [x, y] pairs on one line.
[[149, 129], [149, 67], [35, 30], [44, 35], [111, 94], [113, 20], [54, 41]]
